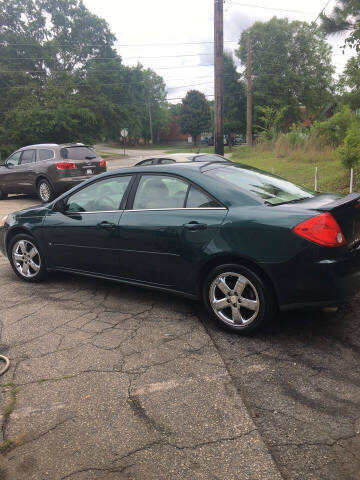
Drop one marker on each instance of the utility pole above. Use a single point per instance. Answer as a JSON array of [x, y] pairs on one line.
[[249, 93], [219, 76], [150, 120]]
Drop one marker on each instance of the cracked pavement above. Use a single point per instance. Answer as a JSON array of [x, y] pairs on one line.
[[115, 382]]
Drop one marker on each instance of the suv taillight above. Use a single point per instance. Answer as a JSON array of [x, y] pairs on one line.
[[65, 165], [322, 229], [102, 163]]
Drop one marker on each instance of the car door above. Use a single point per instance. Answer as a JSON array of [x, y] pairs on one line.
[[84, 234], [167, 230], [25, 172], [8, 173]]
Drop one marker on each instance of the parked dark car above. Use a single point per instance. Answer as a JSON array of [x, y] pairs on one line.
[[48, 169], [244, 241], [181, 158]]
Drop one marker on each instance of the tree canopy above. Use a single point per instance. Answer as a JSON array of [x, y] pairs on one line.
[[344, 18], [349, 82], [195, 116], [234, 98], [291, 65], [62, 79]]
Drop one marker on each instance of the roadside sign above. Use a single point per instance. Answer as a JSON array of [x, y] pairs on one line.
[[124, 132]]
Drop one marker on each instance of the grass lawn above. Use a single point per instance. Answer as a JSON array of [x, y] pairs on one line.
[[332, 176]]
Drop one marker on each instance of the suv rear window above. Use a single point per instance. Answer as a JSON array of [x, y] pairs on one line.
[[78, 153]]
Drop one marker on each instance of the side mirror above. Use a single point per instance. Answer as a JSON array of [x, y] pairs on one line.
[[59, 206]]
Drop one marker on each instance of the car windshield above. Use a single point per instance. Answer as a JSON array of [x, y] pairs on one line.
[[271, 189]]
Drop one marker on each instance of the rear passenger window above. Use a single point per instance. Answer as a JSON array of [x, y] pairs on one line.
[[28, 156], [157, 192], [46, 154], [198, 199]]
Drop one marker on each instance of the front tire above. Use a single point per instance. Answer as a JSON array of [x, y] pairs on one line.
[[45, 191], [26, 258], [238, 299]]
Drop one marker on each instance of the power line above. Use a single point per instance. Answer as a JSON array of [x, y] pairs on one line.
[[123, 58], [6, 44], [270, 8]]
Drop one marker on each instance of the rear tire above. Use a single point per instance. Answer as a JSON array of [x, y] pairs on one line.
[[3, 196], [26, 258], [238, 299], [45, 191]]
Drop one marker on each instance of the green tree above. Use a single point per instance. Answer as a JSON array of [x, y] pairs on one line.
[[291, 66], [349, 82], [195, 116], [270, 120], [234, 98], [345, 17], [334, 130], [349, 153], [61, 79]]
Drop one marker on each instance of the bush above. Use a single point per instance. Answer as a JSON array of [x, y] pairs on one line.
[[349, 153], [334, 130]]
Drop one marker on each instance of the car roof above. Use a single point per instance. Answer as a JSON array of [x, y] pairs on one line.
[[52, 145]]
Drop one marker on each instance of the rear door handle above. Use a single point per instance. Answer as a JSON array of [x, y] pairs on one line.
[[192, 226], [107, 225]]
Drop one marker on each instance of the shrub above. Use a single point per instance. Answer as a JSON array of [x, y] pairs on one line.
[[334, 130], [349, 153]]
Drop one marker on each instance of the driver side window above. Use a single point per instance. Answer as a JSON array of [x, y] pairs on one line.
[[14, 159], [103, 196]]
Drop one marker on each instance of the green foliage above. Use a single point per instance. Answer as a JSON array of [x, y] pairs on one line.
[[270, 120], [291, 64], [349, 82], [195, 116], [234, 98], [345, 17], [349, 153], [334, 130], [295, 137], [61, 79]]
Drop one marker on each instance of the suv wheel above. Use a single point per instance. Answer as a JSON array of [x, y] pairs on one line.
[[3, 196], [26, 258], [45, 191], [238, 299]]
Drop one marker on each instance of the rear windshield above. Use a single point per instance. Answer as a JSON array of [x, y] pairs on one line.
[[78, 153], [271, 189]]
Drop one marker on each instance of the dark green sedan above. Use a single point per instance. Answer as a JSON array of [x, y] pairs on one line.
[[242, 240]]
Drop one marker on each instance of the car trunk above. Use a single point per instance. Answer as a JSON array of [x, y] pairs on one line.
[[345, 209], [85, 159]]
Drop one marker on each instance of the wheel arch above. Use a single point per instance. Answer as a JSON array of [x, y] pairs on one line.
[[42, 176], [239, 260], [15, 231]]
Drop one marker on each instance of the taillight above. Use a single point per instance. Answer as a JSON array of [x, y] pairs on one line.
[[322, 229], [65, 165], [102, 163]]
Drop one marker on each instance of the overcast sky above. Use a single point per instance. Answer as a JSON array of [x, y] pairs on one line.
[[142, 27]]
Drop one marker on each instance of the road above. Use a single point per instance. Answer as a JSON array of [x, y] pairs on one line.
[[132, 155], [119, 382]]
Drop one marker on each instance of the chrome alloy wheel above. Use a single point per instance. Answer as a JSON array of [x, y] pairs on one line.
[[26, 258], [234, 299], [45, 192]]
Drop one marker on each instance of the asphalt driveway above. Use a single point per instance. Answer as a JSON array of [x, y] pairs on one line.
[[116, 382]]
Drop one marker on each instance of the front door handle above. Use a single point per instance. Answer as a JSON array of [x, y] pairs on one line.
[[192, 226], [107, 225]]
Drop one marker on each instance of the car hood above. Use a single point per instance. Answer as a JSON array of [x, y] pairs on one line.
[[34, 211]]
